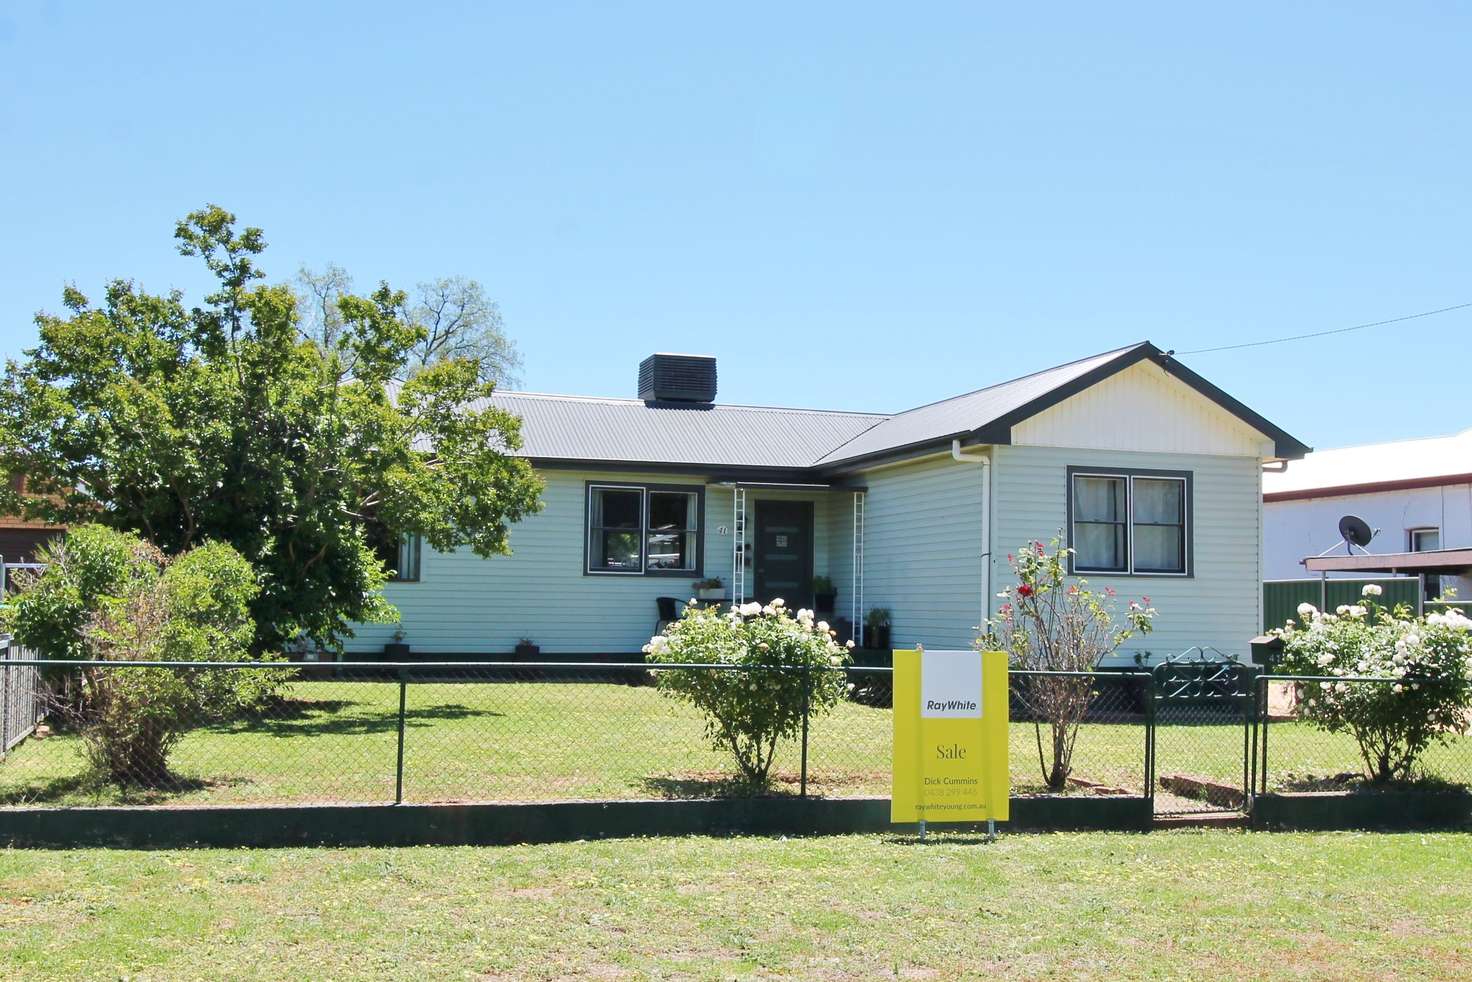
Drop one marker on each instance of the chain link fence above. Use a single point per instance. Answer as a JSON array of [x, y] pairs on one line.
[[455, 732], [21, 697], [1294, 754]]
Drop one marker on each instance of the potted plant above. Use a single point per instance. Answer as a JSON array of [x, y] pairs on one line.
[[876, 628], [710, 589], [527, 649], [824, 594], [397, 649]]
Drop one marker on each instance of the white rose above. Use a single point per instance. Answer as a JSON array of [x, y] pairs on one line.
[[1371, 590], [1307, 611], [822, 627], [1342, 609], [751, 609], [778, 602]]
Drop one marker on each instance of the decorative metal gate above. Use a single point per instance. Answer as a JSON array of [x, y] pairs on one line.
[[1202, 710]]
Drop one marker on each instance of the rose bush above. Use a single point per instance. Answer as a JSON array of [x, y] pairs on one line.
[[774, 665], [1427, 662], [1053, 623]]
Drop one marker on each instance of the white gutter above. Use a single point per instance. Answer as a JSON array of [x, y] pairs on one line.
[[985, 461]]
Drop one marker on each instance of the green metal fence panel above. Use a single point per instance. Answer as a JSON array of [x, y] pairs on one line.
[[1280, 598]]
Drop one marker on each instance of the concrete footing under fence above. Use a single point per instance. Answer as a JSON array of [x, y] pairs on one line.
[[1389, 810], [508, 823]]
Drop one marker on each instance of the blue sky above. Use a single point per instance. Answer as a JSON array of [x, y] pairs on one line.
[[851, 206]]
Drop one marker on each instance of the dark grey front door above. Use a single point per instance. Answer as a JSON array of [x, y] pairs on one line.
[[784, 552]]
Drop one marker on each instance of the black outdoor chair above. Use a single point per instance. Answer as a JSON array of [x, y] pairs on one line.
[[669, 612]]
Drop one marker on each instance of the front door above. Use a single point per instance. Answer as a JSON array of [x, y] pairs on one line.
[[784, 552]]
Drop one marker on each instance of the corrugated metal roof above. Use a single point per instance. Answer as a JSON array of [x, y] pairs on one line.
[[1380, 463], [962, 414], [633, 431]]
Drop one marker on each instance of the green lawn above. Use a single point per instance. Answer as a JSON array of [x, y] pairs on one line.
[[1215, 905], [337, 741]]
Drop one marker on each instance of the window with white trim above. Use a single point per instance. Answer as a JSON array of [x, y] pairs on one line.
[[1425, 540], [643, 529], [1129, 522]]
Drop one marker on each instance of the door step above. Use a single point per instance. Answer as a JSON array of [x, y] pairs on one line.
[[1202, 820]]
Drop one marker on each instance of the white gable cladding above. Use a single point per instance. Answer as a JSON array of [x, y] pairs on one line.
[[1144, 409]]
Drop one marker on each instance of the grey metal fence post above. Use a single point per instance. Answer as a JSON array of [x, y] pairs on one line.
[[1266, 718], [807, 688], [1150, 685], [399, 766]]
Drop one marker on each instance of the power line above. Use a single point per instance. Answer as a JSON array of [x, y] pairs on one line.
[[1337, 330]]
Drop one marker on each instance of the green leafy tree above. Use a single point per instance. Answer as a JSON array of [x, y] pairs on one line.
[[221, 421], [769, 667]]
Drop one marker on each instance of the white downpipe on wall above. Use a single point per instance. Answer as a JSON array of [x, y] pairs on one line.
[[985, 461]]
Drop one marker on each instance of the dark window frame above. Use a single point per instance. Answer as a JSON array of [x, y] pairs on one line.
[[698, 490], [416, 554], [1129, 474]]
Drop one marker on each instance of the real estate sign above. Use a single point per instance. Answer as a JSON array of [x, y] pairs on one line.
[[950, 736]]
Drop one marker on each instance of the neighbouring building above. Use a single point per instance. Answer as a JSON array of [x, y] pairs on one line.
[[1150, 472], [1417, 494]]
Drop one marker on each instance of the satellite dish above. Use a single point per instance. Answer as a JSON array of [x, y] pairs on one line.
[[1354, 531]]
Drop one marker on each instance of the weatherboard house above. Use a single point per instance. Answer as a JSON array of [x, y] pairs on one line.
[[1152, 474]]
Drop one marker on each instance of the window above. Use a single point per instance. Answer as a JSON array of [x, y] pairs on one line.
[[410, 547], [1130, 522], [1100, 528], [634, 529], [400, 553], [1425, 540]]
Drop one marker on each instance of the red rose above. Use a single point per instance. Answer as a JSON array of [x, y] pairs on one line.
[[1024, 590]]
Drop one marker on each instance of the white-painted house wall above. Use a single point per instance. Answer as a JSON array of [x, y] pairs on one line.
[[923, 551], [463, 603], [1218, 606], [1305, 527]]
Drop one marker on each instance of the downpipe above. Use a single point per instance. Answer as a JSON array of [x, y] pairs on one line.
[[961, 456]]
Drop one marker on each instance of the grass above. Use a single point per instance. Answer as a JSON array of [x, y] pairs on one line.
[[337, 741], [1219, 905]]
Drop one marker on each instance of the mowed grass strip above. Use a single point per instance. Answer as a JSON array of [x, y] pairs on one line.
[[521, 741], [1219, 905]]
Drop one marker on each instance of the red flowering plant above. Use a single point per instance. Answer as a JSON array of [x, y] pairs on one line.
[[1052, 622]]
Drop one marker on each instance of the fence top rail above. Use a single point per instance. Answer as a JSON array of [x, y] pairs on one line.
[[1338, 678], [601, 666]]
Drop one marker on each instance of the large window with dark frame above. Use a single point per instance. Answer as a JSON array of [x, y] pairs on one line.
[[636, 529], [1130, 523]]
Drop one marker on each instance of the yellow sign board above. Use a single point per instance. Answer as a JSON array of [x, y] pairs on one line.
[[950, 736]]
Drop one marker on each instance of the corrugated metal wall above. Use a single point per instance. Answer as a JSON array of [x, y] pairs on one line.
[[1280, 598]]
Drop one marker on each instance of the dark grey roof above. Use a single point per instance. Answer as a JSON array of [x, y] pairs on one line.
[[629, 431], [963, 415], [573, 428]]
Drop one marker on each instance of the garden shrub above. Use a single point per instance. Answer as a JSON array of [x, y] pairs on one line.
[[85, 569], [112, 597], [1428, 658], [1051, 622], [760, 700]]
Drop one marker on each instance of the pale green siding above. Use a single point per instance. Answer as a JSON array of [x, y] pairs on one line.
[[466, 604], [1219, 606], [923, 551]]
